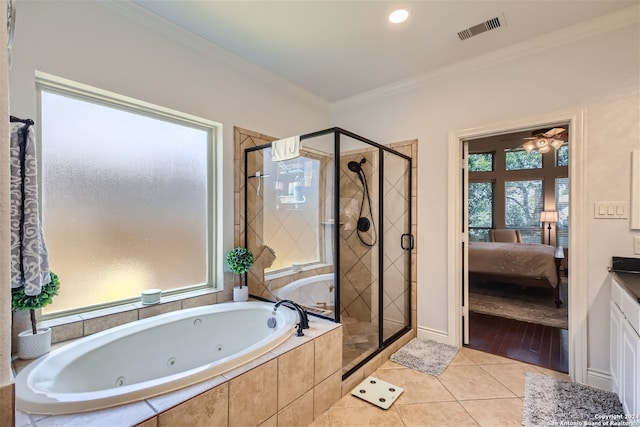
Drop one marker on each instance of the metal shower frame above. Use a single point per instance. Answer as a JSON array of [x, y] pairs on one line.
[[407, 237]]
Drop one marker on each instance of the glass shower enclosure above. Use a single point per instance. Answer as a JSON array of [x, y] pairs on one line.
[[331, 230]]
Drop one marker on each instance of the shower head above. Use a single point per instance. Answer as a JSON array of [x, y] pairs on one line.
[[356, 166]]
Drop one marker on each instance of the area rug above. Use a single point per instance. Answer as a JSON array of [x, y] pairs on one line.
[[552, 402], [426, 356], [533, 305]]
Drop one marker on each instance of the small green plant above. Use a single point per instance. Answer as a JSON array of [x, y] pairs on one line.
[[21, 301], [239, 260]]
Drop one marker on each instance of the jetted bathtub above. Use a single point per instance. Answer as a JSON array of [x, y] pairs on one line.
[[314, 293], [150, 357]]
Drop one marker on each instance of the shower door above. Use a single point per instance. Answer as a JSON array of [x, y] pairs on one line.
[[397, 241], [375, 243]]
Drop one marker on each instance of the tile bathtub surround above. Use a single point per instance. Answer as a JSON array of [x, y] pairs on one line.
[[476, 389], [7, 410], [278, 388]]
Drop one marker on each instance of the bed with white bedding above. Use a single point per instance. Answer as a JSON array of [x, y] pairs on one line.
[[526, 264]]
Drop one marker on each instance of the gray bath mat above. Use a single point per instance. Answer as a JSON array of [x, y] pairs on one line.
[[550, 401], [426, 356]]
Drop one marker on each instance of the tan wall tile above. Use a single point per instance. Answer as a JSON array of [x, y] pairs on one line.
[[271, 422], [327, 393], [201, 300], [67, 331], [97, 324], [154, 310], [328, 354], [207, 409], [151, 422], [295, 374], [7, 399], [253, 395], [298, 413]]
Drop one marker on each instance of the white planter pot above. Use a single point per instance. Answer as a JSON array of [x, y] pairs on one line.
[[31, 346], [241, 294]]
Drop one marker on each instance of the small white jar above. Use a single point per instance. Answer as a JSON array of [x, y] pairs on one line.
[[151, 296]]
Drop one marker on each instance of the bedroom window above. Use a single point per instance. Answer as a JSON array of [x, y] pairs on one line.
[[519, 159], [480, 210], [523, 204], [128, 196], [480, 162], [562, 207], [562, 155]]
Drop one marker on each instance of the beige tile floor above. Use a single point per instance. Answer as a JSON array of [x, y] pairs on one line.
[[476, 389]]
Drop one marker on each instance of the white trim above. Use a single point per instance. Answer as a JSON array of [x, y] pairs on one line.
[[168, 29], [577, 239], [425, 333], [564, 36], [599, 379], [69, 88]]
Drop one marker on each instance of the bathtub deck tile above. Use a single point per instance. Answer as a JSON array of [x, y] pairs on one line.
[[108, 311], [160, 308], [168, 400], [125, 415], [249, 366], [292, 343], [99, 324]]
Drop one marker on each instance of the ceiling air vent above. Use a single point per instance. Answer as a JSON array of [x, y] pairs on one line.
[[481, 28]]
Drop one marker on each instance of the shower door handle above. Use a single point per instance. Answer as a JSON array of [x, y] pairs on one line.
[[404, 238]]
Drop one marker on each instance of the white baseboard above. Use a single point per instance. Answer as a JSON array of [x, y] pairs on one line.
[[599, 379], [433, 334]]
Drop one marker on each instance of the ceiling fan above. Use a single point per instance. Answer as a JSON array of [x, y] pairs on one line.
[[543, 141]]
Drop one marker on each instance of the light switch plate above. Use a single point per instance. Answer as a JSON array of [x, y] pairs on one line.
[[611, 210]]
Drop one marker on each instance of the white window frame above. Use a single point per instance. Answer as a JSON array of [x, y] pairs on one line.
[[215, 274]]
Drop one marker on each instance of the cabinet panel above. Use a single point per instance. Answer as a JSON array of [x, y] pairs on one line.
[[615, 332], [629, 373]]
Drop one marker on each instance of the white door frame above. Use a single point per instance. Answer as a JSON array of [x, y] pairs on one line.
[[576, 118]]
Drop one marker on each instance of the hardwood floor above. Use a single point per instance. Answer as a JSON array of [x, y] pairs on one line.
[[540, 345]]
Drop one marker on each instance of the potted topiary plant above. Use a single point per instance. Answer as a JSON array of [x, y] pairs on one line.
[[240, 260], [36, 341]]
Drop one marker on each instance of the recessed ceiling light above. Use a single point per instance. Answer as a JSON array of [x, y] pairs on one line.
[[398, 16]]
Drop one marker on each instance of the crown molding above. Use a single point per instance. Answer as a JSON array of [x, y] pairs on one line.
[[168, 29], [603, 24]]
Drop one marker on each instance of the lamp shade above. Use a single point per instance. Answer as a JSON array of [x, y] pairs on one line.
[[549, 216]]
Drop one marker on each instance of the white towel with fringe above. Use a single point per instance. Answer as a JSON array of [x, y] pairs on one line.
[[285, 149]]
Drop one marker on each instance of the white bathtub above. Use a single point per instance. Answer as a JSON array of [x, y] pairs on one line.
[[315, 293], [150, 357]]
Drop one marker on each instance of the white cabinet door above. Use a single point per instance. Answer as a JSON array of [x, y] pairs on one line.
[[615, 332], [629, 372]]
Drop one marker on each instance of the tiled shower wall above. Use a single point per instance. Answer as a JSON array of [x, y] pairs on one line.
[[357, 260]]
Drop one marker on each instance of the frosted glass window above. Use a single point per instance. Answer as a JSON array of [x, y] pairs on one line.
[[125, 201]]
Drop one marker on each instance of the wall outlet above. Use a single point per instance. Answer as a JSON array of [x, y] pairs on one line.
[[636, 245]]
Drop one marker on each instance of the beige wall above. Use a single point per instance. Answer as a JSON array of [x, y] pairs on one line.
[[487, 90]]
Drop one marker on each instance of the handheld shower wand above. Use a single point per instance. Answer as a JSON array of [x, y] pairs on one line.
[[364, 224]]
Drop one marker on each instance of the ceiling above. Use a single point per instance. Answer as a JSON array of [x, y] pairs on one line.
[[339, 49]]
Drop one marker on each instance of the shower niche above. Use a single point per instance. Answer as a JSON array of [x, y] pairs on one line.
[[331, 230]]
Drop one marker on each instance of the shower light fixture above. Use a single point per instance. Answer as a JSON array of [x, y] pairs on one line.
[[399, 15]]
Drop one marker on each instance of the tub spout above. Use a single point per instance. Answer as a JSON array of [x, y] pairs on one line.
[[302, 315]]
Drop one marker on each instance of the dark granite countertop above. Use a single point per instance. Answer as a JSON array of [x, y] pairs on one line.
[[631, 282]]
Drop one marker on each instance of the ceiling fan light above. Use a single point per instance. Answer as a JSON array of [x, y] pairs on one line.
[[529, 146], [544, 149], [557, 143]]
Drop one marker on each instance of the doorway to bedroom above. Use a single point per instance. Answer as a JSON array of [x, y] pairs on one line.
[[516, 214]]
